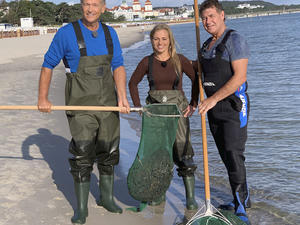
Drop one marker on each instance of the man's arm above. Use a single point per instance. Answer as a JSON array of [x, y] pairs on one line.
[[120, 80], [239, 77], [44, 105]]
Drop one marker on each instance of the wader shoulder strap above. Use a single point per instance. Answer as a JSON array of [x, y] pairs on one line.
[[221, 47], [108, 39], [206, 43], [80, 40], [81, 43], [66, 64], [150, 76]]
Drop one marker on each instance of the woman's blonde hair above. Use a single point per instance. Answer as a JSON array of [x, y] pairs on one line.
[[172, 48]]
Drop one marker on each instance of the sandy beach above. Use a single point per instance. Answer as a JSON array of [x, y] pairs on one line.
[[36, 186]]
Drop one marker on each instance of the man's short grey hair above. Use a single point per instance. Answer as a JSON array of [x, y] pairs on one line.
[[103, 1]]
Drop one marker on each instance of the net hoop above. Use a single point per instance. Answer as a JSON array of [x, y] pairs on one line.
[[149, 114], [173, 110], [211, 212]]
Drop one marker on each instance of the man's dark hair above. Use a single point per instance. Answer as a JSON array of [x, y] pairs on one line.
[[211, 4]]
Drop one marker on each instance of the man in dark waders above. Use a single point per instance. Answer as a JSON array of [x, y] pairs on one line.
[[224, 58], [90, 51]]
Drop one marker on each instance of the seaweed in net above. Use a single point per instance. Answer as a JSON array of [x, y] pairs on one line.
[[149, 179]]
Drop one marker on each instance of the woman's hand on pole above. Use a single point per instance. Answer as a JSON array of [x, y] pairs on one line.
[[189, 111]]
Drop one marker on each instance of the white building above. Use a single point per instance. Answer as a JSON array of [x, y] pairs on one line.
[[5, 26], [248, 6], [26, 22], [166, 13], [148, 9], [122, 10], [134, 12], [137, 10], [188, 10]]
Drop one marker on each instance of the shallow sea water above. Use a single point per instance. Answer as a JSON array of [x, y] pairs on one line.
[[272, 158]]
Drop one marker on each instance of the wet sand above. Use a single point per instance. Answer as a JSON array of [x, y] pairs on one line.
[[36, 186]]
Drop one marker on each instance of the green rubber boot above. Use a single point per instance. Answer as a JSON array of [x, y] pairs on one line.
[[189, 184], [106, 194], [158, 201], [82, 194]]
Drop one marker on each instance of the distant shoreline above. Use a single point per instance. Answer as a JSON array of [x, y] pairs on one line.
[[16, 32], [265, 13]]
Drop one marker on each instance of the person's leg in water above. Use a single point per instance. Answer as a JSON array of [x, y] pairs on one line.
[[230, 140], [183, 157]]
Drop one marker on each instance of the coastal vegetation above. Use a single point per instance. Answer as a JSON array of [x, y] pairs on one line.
[[49, 13], [45, 13]]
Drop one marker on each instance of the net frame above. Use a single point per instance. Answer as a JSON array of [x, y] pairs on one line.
[[208, 210], [148, 110]]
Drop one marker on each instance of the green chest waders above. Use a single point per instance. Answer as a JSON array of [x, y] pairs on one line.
[[95, 135], [152, 170]]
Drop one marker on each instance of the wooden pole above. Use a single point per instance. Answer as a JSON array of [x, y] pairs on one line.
[[64, 107], [203, 123]]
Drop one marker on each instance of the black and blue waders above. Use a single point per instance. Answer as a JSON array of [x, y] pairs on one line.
[[228, 125]]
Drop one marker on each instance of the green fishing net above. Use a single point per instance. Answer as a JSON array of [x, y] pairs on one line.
[[152, 170], [221, 217]]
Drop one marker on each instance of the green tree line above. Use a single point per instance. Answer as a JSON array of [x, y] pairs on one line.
[[45, 13]]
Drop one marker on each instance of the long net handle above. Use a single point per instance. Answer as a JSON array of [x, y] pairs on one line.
[[203, 123], [65, 107]]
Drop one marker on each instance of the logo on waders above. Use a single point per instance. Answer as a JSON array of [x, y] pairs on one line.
[[164, 99], [244, 105], [209, 84], [99, 71]]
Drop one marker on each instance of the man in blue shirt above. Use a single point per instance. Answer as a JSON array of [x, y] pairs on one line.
[[224, 59], [90, 51]]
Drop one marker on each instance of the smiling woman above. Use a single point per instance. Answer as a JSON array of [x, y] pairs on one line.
[[164, 69]]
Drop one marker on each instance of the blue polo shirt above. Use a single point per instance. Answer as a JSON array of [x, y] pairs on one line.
[[64, 44], [236, 47]]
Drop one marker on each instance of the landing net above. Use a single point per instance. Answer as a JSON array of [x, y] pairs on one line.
[[152, 170]]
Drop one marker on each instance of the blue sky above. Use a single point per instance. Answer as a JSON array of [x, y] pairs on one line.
[[157, 3]]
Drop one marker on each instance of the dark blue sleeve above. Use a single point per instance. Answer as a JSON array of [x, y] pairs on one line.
[[117, 59]]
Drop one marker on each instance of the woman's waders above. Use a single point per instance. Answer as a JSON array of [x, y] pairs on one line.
[[182, 150]]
